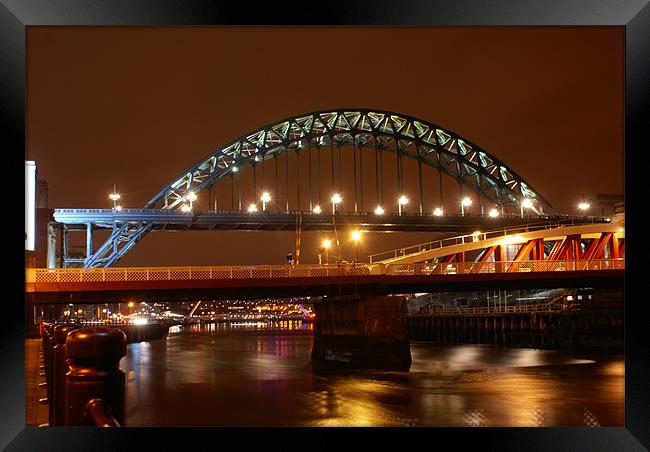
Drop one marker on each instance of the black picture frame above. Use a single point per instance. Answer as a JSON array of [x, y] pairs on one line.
[[634, 15]]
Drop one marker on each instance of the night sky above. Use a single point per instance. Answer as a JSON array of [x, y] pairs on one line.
[[138, 106]]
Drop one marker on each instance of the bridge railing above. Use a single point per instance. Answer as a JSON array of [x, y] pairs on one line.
[[491, 310], [100, 275], [503, 267], [469, 238]]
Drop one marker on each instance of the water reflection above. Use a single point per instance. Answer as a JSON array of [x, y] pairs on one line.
[[262, 374]]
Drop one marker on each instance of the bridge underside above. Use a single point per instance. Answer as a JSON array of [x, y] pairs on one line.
[[245, 288]]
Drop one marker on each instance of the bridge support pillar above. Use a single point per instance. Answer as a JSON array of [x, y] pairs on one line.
[[362, 330]]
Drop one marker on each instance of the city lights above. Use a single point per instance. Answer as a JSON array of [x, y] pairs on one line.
[[438, 212], [316, 209], [379, 210], [186, 208], [493, 213], [191, 196], [252, 208], [584, 206]]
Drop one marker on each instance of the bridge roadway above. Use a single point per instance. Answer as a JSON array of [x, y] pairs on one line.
[[167, 219], [120, 285]]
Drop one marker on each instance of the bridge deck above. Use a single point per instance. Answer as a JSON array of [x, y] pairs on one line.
[[163, 219], [121, 284]]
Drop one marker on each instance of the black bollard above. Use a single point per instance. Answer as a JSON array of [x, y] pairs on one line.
[[59, 369], [94, 355]]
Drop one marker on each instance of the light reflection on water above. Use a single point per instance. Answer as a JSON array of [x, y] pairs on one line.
[[262, 374]]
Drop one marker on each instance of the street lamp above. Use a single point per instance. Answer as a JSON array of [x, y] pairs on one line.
[[402, 201], [252, 208], [115, 196], [493, 213], [438, 211], [266, 197], [525, 204], [186, 208], [379, 210], [466, 202], [584, 206], [326, 246], [336, 199], [356, 236], [316, 209], [191, 197]]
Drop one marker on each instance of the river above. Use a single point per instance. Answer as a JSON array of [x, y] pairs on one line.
[[263, 375]]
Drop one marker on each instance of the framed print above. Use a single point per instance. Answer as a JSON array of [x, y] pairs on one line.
[[343, 217]]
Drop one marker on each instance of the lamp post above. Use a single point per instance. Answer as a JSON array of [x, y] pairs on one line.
[[252, 208], [493, 213], [379, 210], [584, 206], [266, 197], [466, 202], [316, 209], [402, 201], [115, 196], [356, 236], [336, 199], [326, 246], [525, 204], [438, 212]]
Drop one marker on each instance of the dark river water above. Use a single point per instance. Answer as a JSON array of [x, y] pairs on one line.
[[262, 375]]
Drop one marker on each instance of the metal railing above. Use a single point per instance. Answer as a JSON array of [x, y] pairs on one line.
[[96, 275], [547, 307], [128, 211], [474, 237]]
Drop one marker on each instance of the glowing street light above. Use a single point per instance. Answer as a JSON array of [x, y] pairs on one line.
[[316, 209], [493, 213], [525, 204], [266, 197], [584, 206], [438, 212], [327, 244], [191, 196], [186, 208], [115, 196], [252, 208], [356, 237], [235, 169], [336, 199], [118, 208], [379, 210], [402, 201], [466, 202]]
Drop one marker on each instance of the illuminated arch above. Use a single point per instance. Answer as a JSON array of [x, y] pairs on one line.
[[411, 137]]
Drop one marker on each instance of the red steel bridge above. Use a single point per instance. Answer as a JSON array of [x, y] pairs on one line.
[[328, 192]]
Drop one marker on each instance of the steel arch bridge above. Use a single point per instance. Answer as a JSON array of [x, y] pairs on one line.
[[409, 137]]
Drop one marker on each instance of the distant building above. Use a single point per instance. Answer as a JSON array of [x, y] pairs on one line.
[[604, 205]]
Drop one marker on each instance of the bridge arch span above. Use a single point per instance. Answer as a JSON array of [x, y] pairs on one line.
[[405, 135]]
